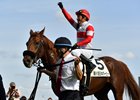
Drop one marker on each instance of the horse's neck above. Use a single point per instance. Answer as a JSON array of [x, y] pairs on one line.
[[50, 55]]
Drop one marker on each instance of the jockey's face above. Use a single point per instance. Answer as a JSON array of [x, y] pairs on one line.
[[81, 18]]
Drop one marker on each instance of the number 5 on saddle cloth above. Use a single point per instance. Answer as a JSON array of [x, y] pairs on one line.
[[97, 68]]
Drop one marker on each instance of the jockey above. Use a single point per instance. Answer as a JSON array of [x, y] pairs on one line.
[[85, 31], [85, 34]]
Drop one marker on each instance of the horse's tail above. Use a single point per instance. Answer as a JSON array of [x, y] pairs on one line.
[[130, 84]]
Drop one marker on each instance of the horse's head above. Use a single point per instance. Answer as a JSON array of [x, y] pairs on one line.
[[34, 48]]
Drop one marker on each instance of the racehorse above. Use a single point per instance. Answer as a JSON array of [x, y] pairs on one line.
[[40, 47]]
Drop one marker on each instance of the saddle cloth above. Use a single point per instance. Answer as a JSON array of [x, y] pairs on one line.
[[100, 70]]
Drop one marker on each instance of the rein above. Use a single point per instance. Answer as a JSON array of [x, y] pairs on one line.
[[55, 65], [32, 96], [38, 76]]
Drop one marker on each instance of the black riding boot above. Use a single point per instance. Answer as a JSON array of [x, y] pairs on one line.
[[89, 68]]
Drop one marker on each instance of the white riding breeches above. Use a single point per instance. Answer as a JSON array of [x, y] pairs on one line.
[[78, 52]]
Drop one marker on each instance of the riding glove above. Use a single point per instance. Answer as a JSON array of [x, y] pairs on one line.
[[60, 5]]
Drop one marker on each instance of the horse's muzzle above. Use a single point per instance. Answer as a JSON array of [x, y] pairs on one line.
[[28, 59]]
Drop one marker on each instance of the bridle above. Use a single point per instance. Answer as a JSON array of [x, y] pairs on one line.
[[34, 55]]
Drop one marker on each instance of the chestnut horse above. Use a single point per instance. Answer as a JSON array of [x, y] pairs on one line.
[[40, 47]]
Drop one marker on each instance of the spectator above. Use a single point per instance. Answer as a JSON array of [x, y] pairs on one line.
[[13, 93]]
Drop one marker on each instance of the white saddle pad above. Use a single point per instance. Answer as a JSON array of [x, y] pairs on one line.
[[100, 70]]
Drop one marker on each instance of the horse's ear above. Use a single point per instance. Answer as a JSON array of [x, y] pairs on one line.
[[31, 32], [42, 31]]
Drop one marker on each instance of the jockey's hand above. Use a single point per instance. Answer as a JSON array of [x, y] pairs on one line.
[[60, 5], [75, 46]]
